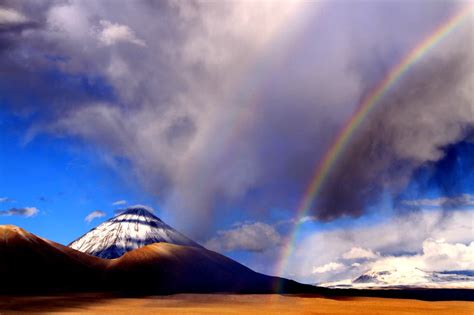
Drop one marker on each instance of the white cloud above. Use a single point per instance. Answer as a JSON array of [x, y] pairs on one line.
[[24, 212], [253, 237], [113, 33], [359, 253], [458, 201], [438, 255], [10, 16], [416, 269], [409, 269], [119, 203], [5, 199], [329, 267], [409, 236], [94, 215]]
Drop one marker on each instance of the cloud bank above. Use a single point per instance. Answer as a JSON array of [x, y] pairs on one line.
[[427, 240], [436, 256], [211, 114]]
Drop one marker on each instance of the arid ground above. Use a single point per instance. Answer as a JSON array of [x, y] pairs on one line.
[[228, 304]]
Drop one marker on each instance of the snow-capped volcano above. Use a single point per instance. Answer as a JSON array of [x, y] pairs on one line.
[[133, 228]]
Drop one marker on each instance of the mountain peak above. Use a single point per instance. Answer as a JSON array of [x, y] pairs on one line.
[[138, 210], [130, 229], [10, 232]]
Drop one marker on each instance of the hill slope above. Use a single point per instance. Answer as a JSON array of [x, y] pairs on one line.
[[31, 264]]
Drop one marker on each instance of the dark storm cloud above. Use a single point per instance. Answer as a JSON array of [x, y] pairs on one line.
[[213, 113], [13, 29], [12, 24], [33, 79], [411, 127]]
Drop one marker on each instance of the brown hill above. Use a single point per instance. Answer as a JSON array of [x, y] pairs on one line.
[[31, 264], [169, 268]]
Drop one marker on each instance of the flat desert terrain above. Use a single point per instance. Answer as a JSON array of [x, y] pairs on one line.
[[227, 304]]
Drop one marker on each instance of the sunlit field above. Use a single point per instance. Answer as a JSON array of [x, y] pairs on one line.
[[229, 304]]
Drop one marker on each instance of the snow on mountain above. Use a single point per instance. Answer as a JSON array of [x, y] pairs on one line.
[[404, 277], [136, 227]]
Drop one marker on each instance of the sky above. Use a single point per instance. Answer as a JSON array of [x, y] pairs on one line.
[[217, 113]]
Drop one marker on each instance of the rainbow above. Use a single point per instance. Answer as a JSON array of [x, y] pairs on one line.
[[364, 108]]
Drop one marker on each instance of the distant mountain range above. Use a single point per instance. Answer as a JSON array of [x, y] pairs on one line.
[[407, 278]]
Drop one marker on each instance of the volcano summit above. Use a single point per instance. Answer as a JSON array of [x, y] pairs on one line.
[[133, 228]]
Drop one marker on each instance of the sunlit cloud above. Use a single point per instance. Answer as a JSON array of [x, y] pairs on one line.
[[119, 203], [329, 267], [11, 16], [94, 215], [113, 33]]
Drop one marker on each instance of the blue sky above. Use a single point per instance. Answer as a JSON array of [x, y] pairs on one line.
[[219, 125], [62, 178]]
